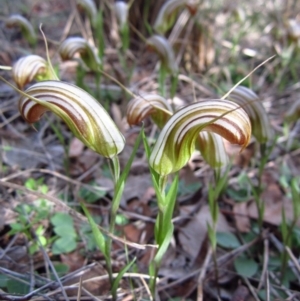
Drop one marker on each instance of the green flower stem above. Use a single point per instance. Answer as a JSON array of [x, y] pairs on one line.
[[164, 225], [174, 84], [265, 152], [124, 32], [119, 180], [97, 82], [162, 79], [116, 169], [115, 164]]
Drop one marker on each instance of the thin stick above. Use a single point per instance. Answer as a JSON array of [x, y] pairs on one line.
[[202, 274], [239, 82], [294, 259], [267, 286], [251, 289], [265, 264], [5, 67]]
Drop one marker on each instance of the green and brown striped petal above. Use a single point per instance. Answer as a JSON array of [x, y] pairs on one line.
[[85, 117], [167, 15], [251, 103], [89, 7], [121, 11], [212, 149], [73, 45], [176, 141], [293, 113], [25, 26], [146, 105], [162, 47], [30, 67]]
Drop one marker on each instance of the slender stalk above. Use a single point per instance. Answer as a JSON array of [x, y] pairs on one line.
[[115, 164], [97, 82], [163, 226], [162, 80]]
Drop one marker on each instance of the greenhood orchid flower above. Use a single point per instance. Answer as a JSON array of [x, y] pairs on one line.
[[121, 11], [251, 103], [89, 7], [210, 144], [73, 45], [176, 141], [293, 113], [293, 29], [31, 67], [168, 12], [25, 26], [149, 105], [162, 47], [83, 114]]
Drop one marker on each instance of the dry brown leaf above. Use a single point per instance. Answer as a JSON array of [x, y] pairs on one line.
[[30, 153], [85, 161], [193, 234], [139, 231], [95, 287], [136, 186], [240, 294], [76, 148], [242, 220], [117, 117], [274, 201], [73, 260], [240, 159]]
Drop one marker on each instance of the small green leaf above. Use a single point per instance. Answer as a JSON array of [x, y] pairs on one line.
[[3, 281], [120, 275], [16, 227], [65, 231], [121, 220], [61, 219], [245, 267], [17, 287], [91, 196], [99, 237], [165, 244], [240, 195], [31, 184], [64, 245], [61, 269], [227, 240]]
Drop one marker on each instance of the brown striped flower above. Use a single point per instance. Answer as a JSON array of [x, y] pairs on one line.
[[162, 47], [293, 29], [169, 11], [25, 26], [176, 141], [212, 149], [83, 114], [29, 68], [209, 144], [250, 102], [293, 113], [88, 54], [152, 105], [121, 11], [89, 7]]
